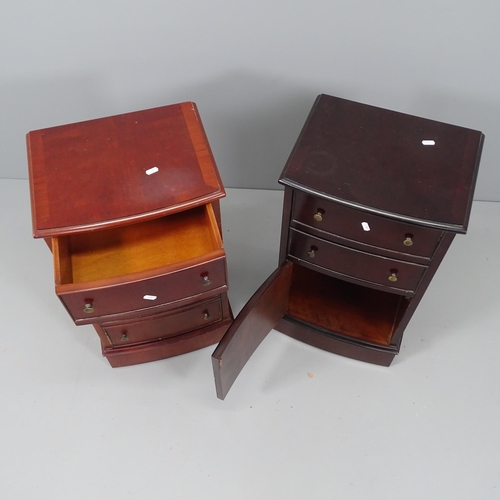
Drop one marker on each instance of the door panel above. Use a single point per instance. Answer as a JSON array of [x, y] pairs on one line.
[[257, 318]]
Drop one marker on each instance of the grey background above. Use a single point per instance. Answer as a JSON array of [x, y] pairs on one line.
[[253, 68]]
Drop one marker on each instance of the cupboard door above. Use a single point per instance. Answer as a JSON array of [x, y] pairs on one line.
[[257, 318]]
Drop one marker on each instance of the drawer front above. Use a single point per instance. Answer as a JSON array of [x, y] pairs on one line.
[[366, 228], [163, 325], [387, 272], [141, 294]]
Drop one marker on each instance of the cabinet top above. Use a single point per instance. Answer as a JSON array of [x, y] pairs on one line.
[[386, 162], [120, 169]]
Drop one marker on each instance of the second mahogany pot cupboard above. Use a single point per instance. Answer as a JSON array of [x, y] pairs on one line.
[[372, 201]]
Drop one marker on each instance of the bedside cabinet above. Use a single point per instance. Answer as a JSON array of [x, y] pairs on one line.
[[129, 205], [373, 199]]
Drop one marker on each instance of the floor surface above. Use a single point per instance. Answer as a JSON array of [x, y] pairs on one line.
[[299, 423]]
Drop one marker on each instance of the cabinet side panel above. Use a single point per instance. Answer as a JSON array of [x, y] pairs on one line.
[[444, 244], [285, 222]]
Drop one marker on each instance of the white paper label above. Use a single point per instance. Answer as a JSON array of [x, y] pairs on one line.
[[150, 297], [366, 226], [428, 142], [152, 170]]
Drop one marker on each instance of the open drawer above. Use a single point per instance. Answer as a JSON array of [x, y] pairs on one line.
[[136, 266]]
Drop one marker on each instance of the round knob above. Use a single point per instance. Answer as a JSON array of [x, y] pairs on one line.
[[318, 216], [88, 309], [408, 242], [206, 315], [312, 252], [393, 277], [124, 337], [206, 280]]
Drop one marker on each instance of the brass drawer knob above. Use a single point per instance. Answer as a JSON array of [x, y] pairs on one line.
[[408, 242], [318, 216], [205, 279], [206, 315], [393, 277], [124, 337], [88, 309], [312, 252]]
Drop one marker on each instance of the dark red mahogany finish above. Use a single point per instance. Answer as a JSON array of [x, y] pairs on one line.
[[373, 199], [129, 205]]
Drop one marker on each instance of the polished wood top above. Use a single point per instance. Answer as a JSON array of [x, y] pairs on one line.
[[387, 162], [120, 169]]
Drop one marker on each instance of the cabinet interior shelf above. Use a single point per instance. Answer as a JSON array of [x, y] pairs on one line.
[[346, 308]]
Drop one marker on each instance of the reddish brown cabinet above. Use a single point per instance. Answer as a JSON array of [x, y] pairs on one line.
[[373, 199], [129, 205]]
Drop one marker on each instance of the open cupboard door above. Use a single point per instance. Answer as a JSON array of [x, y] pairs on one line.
[[257, 318]]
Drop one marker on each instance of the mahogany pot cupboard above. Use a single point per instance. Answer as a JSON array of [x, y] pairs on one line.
[[373, 199], [130, 208], [129, 205]]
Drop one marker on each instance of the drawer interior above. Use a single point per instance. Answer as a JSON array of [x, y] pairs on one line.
[[346, 308], [137, 247]]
